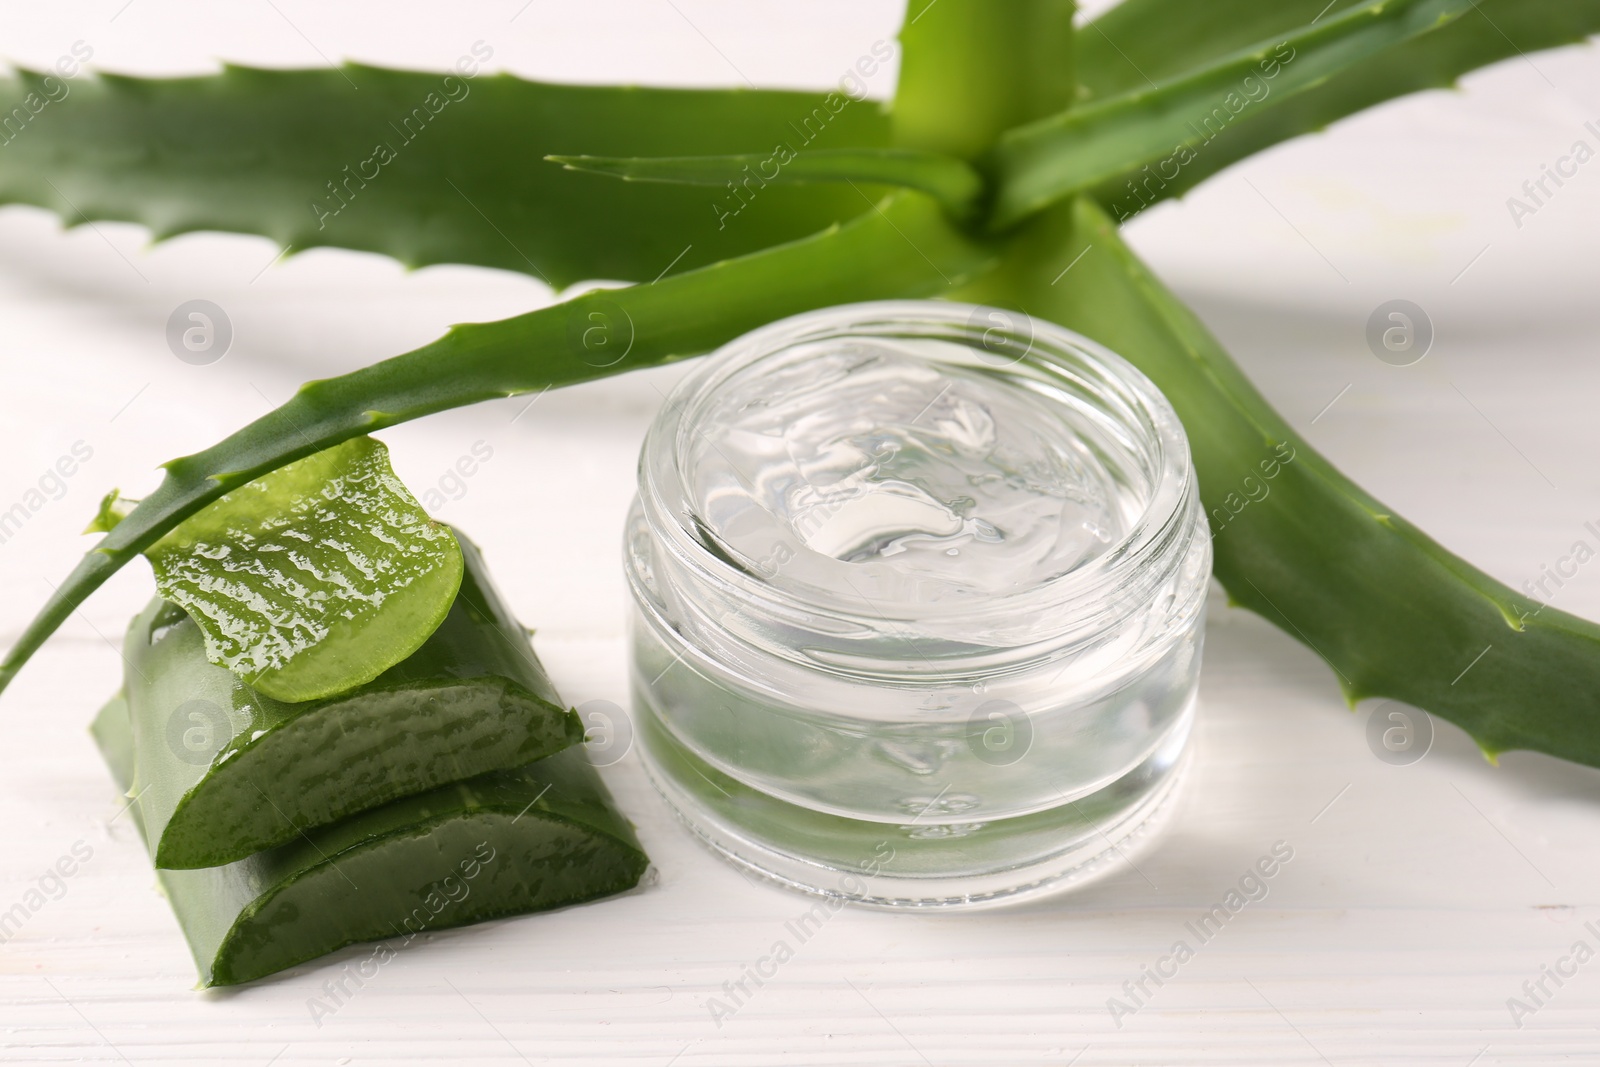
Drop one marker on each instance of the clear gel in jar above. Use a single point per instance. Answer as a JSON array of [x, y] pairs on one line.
[[918, 599]]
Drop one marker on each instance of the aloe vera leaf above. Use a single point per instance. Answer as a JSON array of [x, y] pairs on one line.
[[971, 69], [356, 157], [1495, 30], [950, 181], [1141, 43], [225, 771], [313, 578], [1391, 611], [537, 837], [1042, 162], [903, 247]]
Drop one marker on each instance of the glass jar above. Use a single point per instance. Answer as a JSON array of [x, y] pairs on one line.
[[918, 594]]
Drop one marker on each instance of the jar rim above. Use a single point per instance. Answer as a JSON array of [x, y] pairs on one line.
[[1043, 349]]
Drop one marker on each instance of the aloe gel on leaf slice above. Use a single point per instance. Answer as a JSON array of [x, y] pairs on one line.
[[314, 578], [528, 839], [224, 770]]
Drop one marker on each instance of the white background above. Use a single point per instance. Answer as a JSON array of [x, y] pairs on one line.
[[1419, 898]]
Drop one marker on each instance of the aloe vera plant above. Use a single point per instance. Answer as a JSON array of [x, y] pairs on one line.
[[1015, 141]]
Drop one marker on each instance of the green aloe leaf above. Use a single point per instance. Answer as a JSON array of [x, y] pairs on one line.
[[1493, 31], [1388, 608], [314, 578], [950, 181], [1038, 164], [1136, 44], [426, 168], [903, 247]]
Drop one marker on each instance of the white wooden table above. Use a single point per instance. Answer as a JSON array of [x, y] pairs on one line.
[[1419, 898]]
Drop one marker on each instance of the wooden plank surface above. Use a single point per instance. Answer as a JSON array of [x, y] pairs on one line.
[[1418, 899]]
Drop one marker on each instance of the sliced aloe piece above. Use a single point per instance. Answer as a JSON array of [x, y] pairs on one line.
[[529, 839], [225, 771], [314, 578]]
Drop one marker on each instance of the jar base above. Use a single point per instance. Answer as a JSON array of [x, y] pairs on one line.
[[921, 864]]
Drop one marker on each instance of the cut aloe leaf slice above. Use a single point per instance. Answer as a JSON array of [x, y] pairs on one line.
[[225, 771], [315, 578], [529, 839]]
